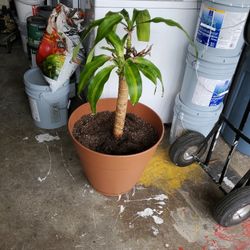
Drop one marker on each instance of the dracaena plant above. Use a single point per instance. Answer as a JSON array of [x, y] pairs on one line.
[[122, 57]]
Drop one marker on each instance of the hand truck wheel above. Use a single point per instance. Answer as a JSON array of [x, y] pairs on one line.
[[182, 151], [233, 208]]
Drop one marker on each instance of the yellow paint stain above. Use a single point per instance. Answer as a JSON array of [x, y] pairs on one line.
[[163, 174]]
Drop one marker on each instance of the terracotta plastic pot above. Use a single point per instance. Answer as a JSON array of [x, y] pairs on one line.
[[114, 174]]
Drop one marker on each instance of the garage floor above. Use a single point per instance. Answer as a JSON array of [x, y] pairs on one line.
[[47, 203]]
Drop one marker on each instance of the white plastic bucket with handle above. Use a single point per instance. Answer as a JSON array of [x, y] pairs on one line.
[[26, 8], [186, 118], [49, 109], [220, 27], [206, 80]]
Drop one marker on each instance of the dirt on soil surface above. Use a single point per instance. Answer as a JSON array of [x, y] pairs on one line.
[[95, 132]]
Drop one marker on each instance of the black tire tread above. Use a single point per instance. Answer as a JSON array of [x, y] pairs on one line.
[[191, 137], [231, 200]]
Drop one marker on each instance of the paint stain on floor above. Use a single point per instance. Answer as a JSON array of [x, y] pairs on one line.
[[163, 174]]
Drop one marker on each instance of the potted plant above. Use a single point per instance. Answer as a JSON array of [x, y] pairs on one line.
[[115, 174]]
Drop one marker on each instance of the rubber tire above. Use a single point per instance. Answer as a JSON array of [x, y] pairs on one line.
[[180, 146], [230, 204]]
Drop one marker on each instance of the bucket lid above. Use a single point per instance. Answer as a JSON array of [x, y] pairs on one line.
[[33, 79], [180, 106], [234, 3], [37, 20], [203, 55]]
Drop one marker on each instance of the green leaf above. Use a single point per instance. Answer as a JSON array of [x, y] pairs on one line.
[[96, 86], [89, 70], [133, 79], [142, 26], [143, 62], [84, 34], [148, 72], [135, 14], [107, 26], [116, 42], [172, 23], [127, 19]]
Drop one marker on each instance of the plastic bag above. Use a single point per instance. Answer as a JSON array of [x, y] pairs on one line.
[[54, 55]]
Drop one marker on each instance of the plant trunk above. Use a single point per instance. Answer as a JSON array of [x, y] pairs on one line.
[[121, 108]]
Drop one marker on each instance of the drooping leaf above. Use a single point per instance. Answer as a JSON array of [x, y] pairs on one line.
[[96, 86], [107, 26], [89, 70], [147, 72], [172, 23], [143, 62], [116, 42], [84, 34], [142, 26], [133, 79], [135, 14]]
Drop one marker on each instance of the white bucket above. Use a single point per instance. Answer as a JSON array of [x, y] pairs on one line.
[[26, 8], [206, 80], [220, 27], [24, 35], [49, 109], [188, 119]]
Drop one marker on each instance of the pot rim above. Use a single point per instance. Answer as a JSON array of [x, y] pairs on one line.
[[110, 155]]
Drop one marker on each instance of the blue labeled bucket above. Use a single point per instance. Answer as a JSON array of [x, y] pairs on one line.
[[206, 80], [186, 119], [48, 109], [220, 27]]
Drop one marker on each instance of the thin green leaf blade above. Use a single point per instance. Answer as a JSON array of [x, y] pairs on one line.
[[142, 26], [173, 23], [89, 70], [96, 86], [107, 26], [134, 82]]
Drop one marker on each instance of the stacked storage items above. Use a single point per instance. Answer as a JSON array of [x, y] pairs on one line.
[[47, 83], [25, 8], [219, 40]]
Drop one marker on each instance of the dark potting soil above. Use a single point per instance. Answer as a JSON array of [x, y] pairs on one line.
[[95, 132]]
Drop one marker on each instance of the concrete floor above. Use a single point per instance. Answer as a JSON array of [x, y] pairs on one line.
[[47, 203]]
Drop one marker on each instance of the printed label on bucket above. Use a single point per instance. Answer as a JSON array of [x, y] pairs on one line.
[[210, 92], [219, 28], [34, 109]]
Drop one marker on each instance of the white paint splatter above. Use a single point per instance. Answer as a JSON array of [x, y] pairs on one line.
[[41, 179], [119, 197], [46, 137], [228, 182], [160, 197], [25, 138], [166, 245], [161, 203], [160, 207], [157, 219], [140, 187], [155, 231], [122, 208], [91, 191], [146, 212], [130, 225]]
